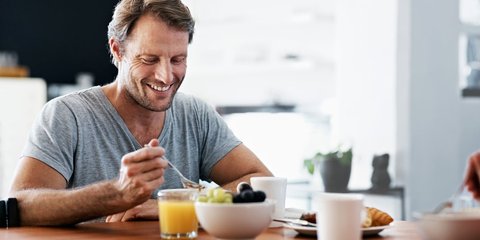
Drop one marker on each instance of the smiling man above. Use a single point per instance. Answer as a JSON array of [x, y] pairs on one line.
[[85, 156]]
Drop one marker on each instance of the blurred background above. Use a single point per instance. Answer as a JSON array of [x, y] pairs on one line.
[[291, 78]]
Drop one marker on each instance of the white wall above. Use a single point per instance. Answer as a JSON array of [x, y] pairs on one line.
[[20, 101], [443, 127], [366, 67], [405, 95]]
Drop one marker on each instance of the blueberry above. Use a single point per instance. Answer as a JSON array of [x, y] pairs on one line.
[[243, 186], [237, 199], [259, 196], [247, 195]]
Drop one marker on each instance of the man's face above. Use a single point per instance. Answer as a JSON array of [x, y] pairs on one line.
[[153, 63]]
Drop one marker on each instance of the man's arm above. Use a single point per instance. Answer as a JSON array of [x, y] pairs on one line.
[[239, 165], [43, 199]]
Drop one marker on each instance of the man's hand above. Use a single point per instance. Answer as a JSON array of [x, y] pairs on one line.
[[472, 176], [145, 211], [141, 173]]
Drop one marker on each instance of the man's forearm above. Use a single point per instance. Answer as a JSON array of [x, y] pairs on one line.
[[60, 207], [232, 186]]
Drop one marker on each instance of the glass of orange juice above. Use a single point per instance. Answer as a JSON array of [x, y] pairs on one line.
[[176, 213]]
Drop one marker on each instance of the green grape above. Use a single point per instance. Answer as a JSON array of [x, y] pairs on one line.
[[210, 193], [219, 195], [228, 198], [202, 198]]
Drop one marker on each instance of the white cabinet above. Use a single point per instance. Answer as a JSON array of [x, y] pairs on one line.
[[20, 101]]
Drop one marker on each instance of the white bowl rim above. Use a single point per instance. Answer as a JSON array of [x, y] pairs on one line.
[[453, 216], [235, 205]]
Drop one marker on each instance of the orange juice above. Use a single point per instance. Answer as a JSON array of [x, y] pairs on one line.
[[177, 217]]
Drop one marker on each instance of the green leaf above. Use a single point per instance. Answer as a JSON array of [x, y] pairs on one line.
[[346, 158], [310, 165]]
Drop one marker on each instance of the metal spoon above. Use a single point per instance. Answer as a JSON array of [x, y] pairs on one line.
[[448, 203], [295, 221], [187, 183]]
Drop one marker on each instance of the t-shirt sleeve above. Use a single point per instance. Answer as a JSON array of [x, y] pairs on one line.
[[53, 138], [218, 139]]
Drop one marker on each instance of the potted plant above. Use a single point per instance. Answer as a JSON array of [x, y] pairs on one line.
[[334, 166]]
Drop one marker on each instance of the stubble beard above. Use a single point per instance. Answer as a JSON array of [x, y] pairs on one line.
[[145, 102]]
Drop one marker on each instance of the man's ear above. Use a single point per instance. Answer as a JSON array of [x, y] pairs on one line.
[[115, 49]]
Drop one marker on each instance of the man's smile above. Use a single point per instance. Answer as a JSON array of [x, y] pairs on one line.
[[159, 88]]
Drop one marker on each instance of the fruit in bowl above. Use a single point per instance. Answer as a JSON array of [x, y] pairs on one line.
[[235, 217], [234, 221]]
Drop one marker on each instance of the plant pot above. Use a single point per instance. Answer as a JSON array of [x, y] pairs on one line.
[[335, 175]]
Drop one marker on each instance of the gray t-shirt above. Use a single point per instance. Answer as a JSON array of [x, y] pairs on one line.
[[82, 136]]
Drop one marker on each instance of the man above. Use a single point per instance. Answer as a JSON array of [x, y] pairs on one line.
[[472, 175], [85, 157]]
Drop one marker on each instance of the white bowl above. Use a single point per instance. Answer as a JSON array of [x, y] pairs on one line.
[[449, 226], [234, 221]]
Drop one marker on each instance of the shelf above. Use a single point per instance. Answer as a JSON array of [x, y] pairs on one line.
[[20, 72], [471, 92], [470, 29], [275, 108]]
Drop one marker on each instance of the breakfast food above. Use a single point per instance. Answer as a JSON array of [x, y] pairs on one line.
[[310, 217], [245, 194], [243, 186], [374, 217], [216, 195]]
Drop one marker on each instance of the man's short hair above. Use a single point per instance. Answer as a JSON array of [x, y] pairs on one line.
[[173, 12]]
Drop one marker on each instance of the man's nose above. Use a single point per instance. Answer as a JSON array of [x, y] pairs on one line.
[[163, 73]]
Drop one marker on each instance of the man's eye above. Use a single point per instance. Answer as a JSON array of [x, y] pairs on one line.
[[148, 61], [179, 60]]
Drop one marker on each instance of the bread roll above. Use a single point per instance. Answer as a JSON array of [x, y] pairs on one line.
[[374, 217], [377, 217]]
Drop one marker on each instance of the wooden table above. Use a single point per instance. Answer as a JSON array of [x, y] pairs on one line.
[[150, 230]]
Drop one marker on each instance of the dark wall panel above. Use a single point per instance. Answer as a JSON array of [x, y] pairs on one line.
[[57, 39]]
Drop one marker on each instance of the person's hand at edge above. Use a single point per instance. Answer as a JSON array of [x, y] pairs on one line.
[[472, 175]]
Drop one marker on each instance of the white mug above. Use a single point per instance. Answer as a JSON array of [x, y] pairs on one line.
[[275, 188], [339, 216]]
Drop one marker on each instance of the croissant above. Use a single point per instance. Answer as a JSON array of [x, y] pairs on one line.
[[376, 217], [310, 217]]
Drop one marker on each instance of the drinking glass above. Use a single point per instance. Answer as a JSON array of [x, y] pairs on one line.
[[177, 213]]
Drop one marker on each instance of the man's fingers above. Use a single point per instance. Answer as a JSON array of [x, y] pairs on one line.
[[129, 214], [146, 211], [140, 174], [154, 184], [476, 164], [472, 175], [146, 178], [154, 143], [152, 175], [115, 217], [145, 167], [142, 154]]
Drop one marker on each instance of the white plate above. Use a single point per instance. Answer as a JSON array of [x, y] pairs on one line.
[[312, 231]]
